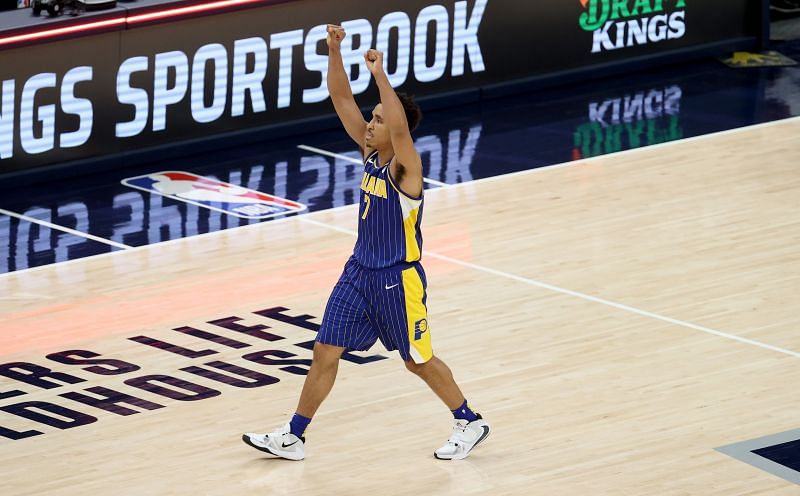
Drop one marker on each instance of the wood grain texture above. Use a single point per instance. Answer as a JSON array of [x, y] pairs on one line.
[[584, 398]]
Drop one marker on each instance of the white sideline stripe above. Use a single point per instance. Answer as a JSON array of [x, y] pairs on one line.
[[64, 229], [449, 186], [26, 296], [320, 151], [582, 296]]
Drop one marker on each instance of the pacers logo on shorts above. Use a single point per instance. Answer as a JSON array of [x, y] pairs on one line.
[[420, 328]]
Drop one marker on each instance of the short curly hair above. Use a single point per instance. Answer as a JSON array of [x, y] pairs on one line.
[[412, 110]]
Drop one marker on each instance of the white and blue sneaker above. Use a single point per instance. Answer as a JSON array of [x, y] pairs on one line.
[[466, 437], [281, 443]]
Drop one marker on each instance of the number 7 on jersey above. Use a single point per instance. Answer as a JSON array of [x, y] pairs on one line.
[[366, 208]]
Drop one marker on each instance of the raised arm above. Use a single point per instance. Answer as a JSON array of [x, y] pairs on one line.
[[339, 89], [405, 154]]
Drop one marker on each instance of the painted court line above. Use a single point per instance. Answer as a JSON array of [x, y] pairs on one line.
[[320, 151], [25, 297], [64, 229], [582, 296]]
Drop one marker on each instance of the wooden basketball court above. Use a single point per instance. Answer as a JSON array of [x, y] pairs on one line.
[[616, 320]]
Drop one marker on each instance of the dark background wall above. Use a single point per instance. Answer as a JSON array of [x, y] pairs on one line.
[[447, 48]]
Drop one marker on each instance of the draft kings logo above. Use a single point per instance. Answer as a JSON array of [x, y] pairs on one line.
[[617, 24]]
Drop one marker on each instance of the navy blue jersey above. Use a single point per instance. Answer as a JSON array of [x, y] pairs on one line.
[[388, 221]]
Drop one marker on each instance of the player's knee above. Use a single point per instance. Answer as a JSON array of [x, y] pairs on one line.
[[326, 354], [412, 367], [419, 369]]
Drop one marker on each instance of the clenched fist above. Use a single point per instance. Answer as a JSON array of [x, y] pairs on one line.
[[335, 36], [374, 60]]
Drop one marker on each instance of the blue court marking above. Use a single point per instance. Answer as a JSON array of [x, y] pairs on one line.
[[777, 454], [786, 454]]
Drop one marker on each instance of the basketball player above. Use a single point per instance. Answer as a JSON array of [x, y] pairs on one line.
[[381, 293]]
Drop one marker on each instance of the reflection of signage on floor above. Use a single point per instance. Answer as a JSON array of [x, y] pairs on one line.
[[630, 121], [77, 406], [214, 195], [137, 218]]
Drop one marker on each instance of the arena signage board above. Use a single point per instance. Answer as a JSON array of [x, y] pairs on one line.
[[111, 93]]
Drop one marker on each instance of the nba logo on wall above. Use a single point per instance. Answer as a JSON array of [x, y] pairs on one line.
[[616, 24], [420, 328], [214, 195]]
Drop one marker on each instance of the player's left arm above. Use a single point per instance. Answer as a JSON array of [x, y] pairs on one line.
[[405, 154]]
